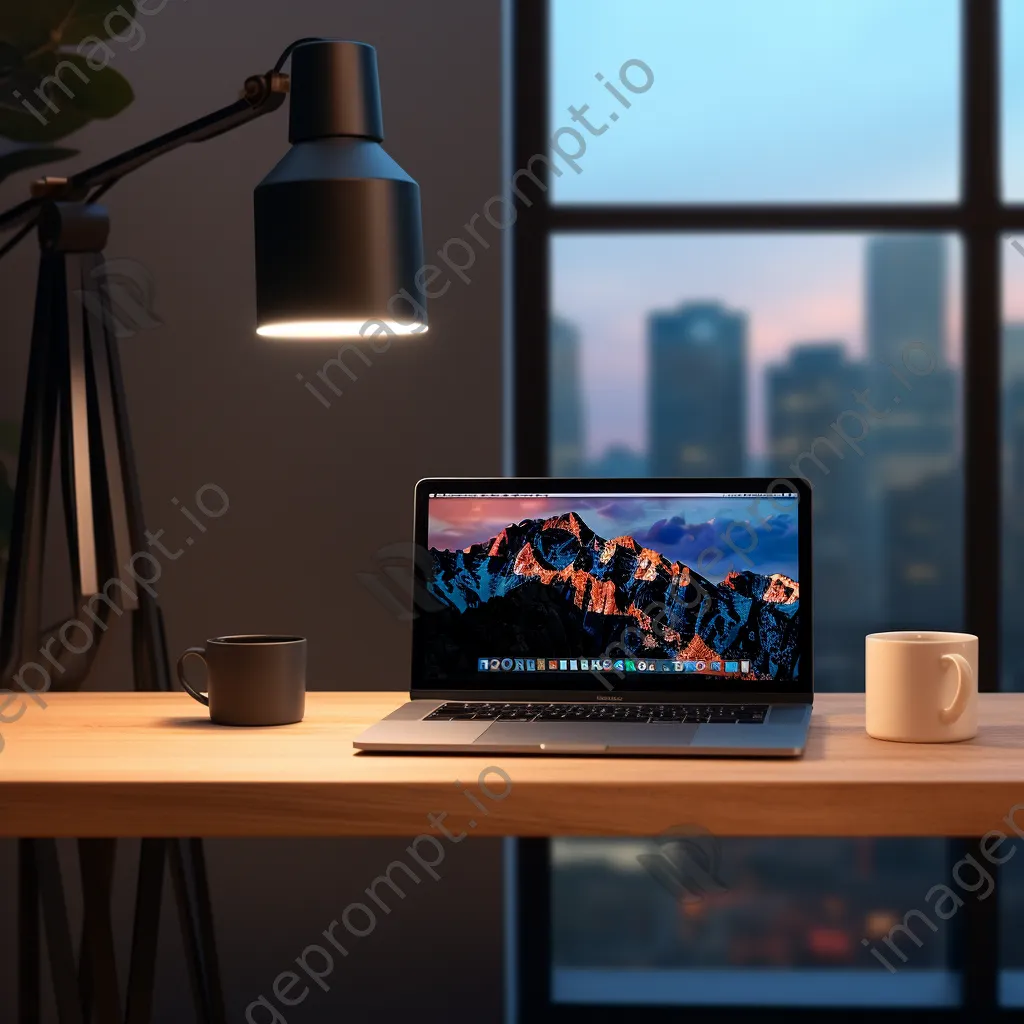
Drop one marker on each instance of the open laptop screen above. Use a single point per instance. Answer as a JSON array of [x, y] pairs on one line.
[[556, 588]]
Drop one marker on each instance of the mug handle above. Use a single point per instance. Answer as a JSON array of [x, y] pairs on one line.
[[964, 685], [199, 652]]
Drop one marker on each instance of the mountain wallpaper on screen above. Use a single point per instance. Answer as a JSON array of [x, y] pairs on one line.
[[553, 588]]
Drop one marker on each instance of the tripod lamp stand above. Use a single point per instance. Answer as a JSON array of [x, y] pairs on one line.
[[337, 241]]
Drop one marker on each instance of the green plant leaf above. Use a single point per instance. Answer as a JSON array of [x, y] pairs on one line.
[[64, 94], [22, 159], [99, 18], [30, 24], [33, 25], [103, 94], [68, 81], [24, 127]]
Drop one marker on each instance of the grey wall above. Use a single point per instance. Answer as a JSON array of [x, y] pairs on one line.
[[313, 492]]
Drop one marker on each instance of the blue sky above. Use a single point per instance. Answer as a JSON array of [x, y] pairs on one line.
[[764, 99], [756, 100], [1012, 62]]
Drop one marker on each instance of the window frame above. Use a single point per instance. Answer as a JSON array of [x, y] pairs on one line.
[[981, 218]]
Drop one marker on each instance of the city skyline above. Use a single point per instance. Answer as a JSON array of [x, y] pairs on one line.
[[876, 432], [784, 311]]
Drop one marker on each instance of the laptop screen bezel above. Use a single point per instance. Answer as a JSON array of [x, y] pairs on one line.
[[798, 690]]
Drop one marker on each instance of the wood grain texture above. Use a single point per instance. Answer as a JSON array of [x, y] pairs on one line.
[[151, 764]]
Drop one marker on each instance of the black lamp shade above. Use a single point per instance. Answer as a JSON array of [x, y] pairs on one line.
[[338, 229]]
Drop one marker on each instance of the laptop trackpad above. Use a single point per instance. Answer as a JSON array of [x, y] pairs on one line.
[[588, 734]]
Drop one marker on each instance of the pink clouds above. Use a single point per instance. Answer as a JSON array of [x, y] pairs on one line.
[[455, 523]]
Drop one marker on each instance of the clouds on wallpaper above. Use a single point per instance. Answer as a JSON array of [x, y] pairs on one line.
[[759, 534]]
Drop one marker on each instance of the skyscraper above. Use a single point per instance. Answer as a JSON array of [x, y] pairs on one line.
[[924, 565], [1013, 352], [1013, 417], [917, 442], [696, 392], [906, 334], [1013, 420], [565, 408], [906, 296], [1013, 506], [805, 396]]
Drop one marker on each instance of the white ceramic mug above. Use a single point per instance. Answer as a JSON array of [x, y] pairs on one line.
[[921, 687]]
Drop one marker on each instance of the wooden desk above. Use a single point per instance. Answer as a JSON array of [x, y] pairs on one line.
[[151, 764]]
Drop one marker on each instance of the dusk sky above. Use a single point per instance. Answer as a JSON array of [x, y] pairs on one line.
[[679, 528], [793, 288], [731, 117]]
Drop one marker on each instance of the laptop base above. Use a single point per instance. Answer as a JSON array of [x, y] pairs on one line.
[[782, 734]]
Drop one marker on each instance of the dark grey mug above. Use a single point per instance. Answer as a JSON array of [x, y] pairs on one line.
[[252, 680]]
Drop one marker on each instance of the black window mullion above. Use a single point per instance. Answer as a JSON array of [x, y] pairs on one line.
[[984, 222], [978, 933], [755, 217], [531, 244], [758, 217]]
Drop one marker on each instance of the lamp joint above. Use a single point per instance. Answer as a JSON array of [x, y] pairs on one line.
[[258, 89], [48, 188]]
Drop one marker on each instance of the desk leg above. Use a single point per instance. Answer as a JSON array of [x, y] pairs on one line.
[[195, 918], [207, 931], [97, 966], [146, 930], [63, 972], [88, 991], [187, 862], [29, 946]]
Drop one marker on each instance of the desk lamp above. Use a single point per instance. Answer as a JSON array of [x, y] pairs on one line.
[[338, 247]]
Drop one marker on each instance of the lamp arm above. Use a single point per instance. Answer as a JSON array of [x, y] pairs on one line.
[[262, 94]]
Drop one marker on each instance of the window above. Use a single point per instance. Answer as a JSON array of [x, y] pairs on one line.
[[1012, 450], [1012, 64], [796, 205], [761, 100], [785, 928], [1013, 461], [835, 357]]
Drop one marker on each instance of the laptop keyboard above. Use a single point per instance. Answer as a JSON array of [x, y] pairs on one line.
[[748, 714]]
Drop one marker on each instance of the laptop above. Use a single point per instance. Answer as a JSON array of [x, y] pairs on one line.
[[661, 617]]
